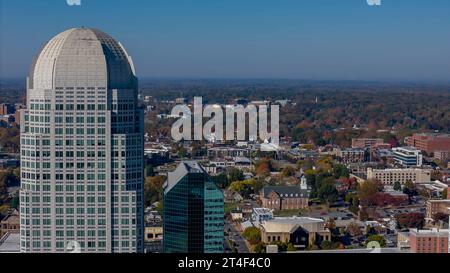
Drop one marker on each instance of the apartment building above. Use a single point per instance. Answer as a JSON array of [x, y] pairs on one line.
[[390, 176]]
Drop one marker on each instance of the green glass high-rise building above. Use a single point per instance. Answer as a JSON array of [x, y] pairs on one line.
[[193, 212]]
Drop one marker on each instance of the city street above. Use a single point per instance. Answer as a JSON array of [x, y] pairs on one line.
[[235, 236]]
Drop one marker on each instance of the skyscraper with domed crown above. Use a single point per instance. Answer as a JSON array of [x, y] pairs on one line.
[[82, 148]]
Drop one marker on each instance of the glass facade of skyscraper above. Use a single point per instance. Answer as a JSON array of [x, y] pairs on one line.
[[193, 212]]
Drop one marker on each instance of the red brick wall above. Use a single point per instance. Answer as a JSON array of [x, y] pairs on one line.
[[430, 244]]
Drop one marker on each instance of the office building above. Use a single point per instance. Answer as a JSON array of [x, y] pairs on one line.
[[443, 156], [363, 143], [388, 177], [352, 155], [429, 142], [408, 156], [193, 219], [82, 148]]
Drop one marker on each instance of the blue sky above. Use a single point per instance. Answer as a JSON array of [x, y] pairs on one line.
[[298, 39]]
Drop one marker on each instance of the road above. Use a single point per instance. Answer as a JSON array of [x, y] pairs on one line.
[[234, 235]]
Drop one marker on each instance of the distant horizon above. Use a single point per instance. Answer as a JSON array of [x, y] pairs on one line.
[[364, 81]]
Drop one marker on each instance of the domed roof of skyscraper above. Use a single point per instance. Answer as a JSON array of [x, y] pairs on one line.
[[82, 57]]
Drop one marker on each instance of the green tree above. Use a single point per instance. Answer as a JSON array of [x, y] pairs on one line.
[[3, 189], [327, 190], [221, 180], [340, 171], [234, 174], [291, 247], [182, 152], [244, 188], [15, 202], [259, 248], [252, 235], [149, 170], [397, 186], [445, 193], [409, 188], [376, 238], [160, 207]]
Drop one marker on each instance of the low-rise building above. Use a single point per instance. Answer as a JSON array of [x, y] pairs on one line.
[[352, 155], [437, 206], [299, 231], [153, 238], [284, 197], [9, 163], [301, 154], [403, 241], [217, 166], [434, 189], [6, 109], [262, 214], [10, 224], [408, 156], [232, 197], [228, 152], [366, 142], [443, 156], [390, 176], [156, 149], [236, 215], [10, 243]]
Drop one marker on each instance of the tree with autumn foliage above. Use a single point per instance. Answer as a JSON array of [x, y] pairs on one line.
[[153, 189], [410, 220], [367, 192], [288, 171], [263, 167]]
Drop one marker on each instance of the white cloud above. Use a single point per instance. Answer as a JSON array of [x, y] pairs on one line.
[[73, 2]]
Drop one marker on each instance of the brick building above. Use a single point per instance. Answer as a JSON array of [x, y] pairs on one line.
[[429, 241], [6, 109], [363, 143], [437, 206], [443, 156], [429, 143], [284, 197], [11, 224]]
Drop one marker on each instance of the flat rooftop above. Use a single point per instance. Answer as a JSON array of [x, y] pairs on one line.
[[11, 244]]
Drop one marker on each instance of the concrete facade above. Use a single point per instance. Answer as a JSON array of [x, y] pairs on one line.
[[82, 148]]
